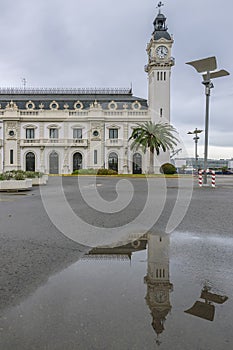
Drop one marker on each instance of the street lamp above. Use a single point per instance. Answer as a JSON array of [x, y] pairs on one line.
[[196, 138], [208, 66]]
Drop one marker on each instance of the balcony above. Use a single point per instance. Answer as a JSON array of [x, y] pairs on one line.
[[54, 142], [114, 142]]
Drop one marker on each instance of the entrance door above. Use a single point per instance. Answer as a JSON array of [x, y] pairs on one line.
[[53, 163], [77, 161], [30, 161], [113, 161], [137, 163]]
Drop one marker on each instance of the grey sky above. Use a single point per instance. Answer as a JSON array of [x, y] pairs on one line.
[[90, 43]]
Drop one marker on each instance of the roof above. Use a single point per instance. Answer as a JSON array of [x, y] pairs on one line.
[[68, 97], [162, 34]]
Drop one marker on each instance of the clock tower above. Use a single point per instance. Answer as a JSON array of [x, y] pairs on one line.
[[158, 68]]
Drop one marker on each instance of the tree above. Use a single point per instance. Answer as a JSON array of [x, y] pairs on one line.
[[156, 137]]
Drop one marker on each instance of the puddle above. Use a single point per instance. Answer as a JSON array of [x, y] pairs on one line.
[[166, 292]]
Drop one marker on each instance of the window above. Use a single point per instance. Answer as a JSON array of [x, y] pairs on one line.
[[30, 133], [95, 156], [11, 156], [164, 75], [77, 133], [157, 75], [53, 133], [113, 133], [161, 112], [161, 75]]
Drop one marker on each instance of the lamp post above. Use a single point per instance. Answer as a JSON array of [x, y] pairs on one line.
[[208, 66], [196, 138]]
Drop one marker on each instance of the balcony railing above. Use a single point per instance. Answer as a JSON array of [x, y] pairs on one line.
[[114, 142], [57, 142]]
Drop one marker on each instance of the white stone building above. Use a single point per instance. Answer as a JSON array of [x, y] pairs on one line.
[[57, 131]]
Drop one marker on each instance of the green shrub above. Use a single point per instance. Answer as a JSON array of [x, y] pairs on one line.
[[106, 172], [2, 177], [168, 169], [19, 176], [90, 171], [9, 175], [30, 174]]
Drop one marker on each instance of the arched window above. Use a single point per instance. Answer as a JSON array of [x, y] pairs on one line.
[[53, 163], [77, 161], [30, 161], [113, 161]]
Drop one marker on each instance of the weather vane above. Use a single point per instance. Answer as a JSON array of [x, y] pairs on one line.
[[160, 4]]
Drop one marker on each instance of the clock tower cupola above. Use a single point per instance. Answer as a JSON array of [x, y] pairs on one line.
[[158, 68]]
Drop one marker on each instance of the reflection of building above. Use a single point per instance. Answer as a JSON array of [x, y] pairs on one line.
[[63, 130], [123, 252], [157, 280]]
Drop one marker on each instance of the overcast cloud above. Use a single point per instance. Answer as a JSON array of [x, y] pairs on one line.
[[90, 43]]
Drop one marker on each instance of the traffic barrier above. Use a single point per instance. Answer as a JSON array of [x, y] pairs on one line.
[[213, 177]]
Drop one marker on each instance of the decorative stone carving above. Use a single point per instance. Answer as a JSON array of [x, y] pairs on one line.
[[30, 105], [54, 106], [112, 105], [78, 105], [41, 106], [11, 106], [136, 105], [95, 105]]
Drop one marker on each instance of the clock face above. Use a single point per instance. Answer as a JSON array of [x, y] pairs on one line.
[[161, 51], [160, 296]]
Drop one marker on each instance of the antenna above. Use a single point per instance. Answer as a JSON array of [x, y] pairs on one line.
[[24, 81]]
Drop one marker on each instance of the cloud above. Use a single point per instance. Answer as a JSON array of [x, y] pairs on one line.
[[103, 43]]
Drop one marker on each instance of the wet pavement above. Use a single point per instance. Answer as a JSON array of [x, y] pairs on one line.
[[131, 299], [161, 291]]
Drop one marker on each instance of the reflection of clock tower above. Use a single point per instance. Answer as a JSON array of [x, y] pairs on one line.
[[157, 280], [159, 69]]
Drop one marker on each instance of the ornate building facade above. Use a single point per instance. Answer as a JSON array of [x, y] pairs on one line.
[[58, 131]]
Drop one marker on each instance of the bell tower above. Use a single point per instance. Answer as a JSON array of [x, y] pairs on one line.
[[158, 68]]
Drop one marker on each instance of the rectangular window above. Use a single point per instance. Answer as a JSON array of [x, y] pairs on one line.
[[11, 156], [157, 75], [95, 156], [53, 133], [161, 75], [30, 133], [164, 75], [161, 112], [113, 133], [77, 133]]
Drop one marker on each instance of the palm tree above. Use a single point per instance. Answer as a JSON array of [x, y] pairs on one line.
[[156, 137]]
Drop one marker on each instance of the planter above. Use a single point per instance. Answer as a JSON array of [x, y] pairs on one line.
[[37, 181], [15, 185]]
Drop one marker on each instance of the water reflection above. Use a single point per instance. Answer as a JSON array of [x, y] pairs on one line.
[[122, 252], [206, 309], [157, 278]]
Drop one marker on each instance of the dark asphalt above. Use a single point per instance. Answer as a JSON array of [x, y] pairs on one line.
[[32, 249]]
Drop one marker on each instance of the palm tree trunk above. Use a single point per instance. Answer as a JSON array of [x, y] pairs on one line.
[[151, 166]]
